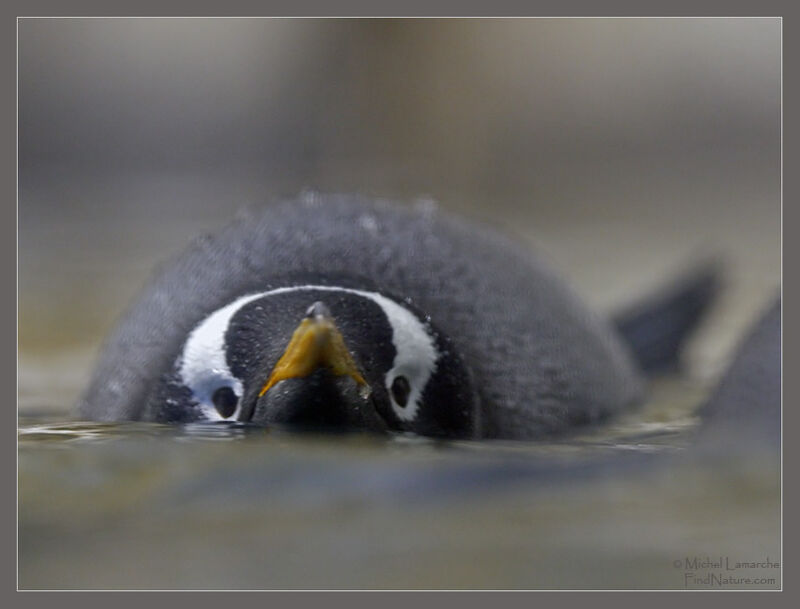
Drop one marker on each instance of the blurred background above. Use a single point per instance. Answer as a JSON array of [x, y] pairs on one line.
[[622, 148]]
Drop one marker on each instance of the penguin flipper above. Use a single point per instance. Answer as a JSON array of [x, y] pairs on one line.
[[656, 327]]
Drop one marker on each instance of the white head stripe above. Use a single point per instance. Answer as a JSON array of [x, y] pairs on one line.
[[204, 367]]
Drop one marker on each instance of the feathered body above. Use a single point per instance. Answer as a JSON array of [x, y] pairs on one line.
[[540, 361]]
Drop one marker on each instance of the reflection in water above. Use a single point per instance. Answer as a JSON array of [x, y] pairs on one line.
[[138, 505], [37, 429]]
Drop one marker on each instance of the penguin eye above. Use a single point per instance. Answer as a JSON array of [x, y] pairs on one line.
[[225, 401], [400, 390]]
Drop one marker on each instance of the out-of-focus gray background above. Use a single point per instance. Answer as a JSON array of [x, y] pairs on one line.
[[622, 148]]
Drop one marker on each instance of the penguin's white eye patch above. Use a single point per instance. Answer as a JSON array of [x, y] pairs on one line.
[[203, 365], [414, 362]]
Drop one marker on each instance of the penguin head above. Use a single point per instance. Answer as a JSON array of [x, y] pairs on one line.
[[319, 355]]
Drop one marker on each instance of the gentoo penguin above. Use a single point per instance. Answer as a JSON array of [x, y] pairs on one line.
[[343, 311]]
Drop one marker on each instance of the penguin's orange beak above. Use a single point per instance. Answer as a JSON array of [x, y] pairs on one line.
[[315, 343]]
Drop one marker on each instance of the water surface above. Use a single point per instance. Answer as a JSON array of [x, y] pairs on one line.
[[136, 505]]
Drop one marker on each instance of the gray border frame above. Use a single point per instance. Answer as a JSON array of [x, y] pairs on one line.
[[350, 8]]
